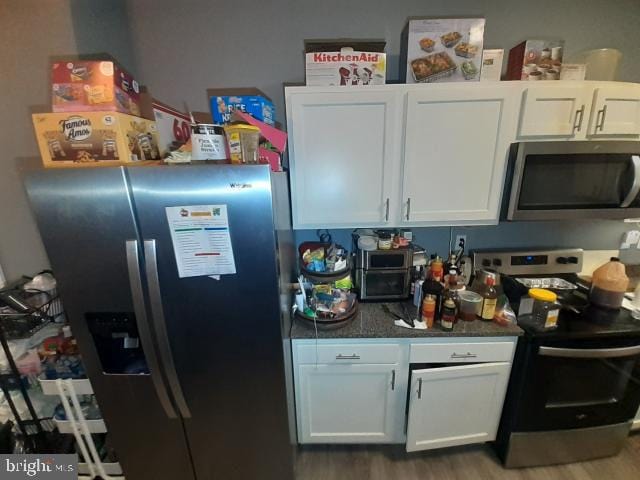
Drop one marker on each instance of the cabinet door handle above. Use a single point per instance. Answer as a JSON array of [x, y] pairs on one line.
[[347, 357], [386, 214], [578, 122], [463, 355], [393, 379], [602, 113], [419, 388], [408, 207]]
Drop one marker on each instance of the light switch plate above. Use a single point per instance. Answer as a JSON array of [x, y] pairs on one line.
[[630, 238]]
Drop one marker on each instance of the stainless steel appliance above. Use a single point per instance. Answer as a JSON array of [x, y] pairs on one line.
[[573, 391], [203, 393], [383, 274], [567, 180]]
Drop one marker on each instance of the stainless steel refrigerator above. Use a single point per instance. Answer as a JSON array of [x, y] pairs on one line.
[[192, 372]]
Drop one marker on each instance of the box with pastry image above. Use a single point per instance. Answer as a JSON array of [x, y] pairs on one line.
[[93, 85], [89, 139], [441, 49]]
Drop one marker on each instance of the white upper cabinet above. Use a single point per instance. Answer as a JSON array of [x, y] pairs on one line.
[[552, 110], [433, 154], [456, 145], [344, 156], [615, 111]]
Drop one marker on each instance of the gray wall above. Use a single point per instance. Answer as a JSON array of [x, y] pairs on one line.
[[181, 48], [31, 31], [590, 235]]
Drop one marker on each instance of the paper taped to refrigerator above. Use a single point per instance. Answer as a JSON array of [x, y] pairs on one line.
[[201, 240]]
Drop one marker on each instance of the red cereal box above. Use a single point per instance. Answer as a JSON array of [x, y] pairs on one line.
[[93, 85]]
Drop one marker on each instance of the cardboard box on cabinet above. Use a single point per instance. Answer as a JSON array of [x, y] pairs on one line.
[[441, 50], [345, 62]]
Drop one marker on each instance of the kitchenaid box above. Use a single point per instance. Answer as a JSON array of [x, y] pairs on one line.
[[91, 139], [83, 86], [441, 50], [345, 62]]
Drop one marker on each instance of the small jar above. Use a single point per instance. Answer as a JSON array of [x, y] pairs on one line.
[[384, 241], [545, 310]]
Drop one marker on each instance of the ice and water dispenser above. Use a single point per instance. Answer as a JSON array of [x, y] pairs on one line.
[[117, 341]]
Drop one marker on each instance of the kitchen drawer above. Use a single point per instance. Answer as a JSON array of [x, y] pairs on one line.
[[462, 352], [348, 353]]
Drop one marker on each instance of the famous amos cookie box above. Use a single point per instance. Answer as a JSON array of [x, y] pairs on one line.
[[91, 139]]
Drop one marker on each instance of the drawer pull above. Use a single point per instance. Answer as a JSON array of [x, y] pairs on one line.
[[393, 379], [347, 357], [578, 122], [463, 355], [419, 388]]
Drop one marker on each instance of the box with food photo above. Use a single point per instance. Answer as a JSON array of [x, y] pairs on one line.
[[441, 50], [535, 60]]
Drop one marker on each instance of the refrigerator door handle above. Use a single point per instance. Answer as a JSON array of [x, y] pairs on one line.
[[135, 281], [157, 313]]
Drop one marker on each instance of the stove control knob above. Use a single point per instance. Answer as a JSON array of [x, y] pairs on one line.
[[486, 262], [573, 260], [562, 260], [497, 262]]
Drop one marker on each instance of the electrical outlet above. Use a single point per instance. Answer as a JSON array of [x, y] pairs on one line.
[[461, 242], [630, 239]]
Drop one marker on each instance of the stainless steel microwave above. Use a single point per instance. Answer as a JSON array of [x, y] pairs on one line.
[[572, 180]]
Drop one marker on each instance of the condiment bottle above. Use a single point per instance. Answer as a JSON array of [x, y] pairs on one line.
[[451, 287], [489, 300], [437, 271], [448, 317], [433, 287], [429, 310]]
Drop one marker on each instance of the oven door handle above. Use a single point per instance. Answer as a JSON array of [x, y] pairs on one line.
[[590, 352], [635, 186]]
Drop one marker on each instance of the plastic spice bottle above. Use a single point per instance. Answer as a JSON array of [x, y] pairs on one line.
[[545, 311]]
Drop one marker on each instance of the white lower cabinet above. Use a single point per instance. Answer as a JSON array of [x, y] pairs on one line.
[[348, 403], [362, 391], [455, 405]]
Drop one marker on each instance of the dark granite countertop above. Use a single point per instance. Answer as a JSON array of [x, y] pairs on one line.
[[372, 321]]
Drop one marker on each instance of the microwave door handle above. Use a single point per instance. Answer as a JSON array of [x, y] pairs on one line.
[[589, 352], [135, 281], [157, 313], [635, 187]]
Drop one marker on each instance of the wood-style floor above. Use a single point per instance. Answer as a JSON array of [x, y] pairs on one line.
[[474, 462]]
